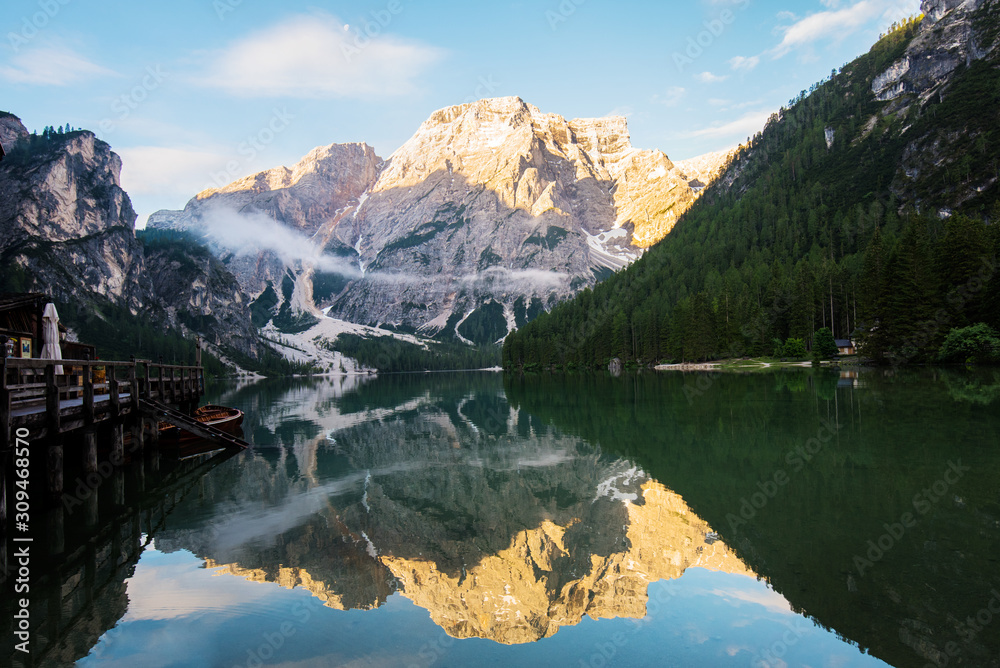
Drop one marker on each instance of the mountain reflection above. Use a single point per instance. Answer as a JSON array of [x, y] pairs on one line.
[[500, 527]]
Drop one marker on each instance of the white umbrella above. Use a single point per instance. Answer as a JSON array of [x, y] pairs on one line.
[[50, 335]]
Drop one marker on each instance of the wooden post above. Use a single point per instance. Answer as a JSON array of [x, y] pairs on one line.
[[197, 350], [117, 445], [173, 384], [55, 465], [3, 500], [152, 431], [118, 490], [116, 402], [56, 530], [88, 392], [90, 451], [52, 402], [138, 436], [91, 512], [5, 418], [133, 389]]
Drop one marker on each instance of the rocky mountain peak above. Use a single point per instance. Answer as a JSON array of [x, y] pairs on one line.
[[491, 204], [323, 163], [11, 130]]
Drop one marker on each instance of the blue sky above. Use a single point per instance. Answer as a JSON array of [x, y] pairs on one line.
[[197, 93]]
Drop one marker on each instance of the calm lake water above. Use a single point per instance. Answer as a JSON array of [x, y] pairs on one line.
[[792, 518]]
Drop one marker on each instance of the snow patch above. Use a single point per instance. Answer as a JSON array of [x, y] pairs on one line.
[[608, 488], [370, 547]]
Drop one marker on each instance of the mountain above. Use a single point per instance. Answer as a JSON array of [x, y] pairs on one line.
[[868, 206], [68, 231], [490, 213]]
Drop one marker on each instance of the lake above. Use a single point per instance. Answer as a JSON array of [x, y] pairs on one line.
[[795, 517]]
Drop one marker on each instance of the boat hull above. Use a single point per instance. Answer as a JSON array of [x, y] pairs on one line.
[[225, 419]]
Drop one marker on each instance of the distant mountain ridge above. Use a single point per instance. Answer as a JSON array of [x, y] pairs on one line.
[[868, 206], [490, 213]]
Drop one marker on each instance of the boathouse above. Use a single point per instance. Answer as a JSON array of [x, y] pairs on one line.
[[75, 401]]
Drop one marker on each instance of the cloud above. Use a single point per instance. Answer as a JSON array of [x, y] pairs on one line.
[[745, 126], [672, 96], [839, 23], [53, 65], [521, 280], [625, 111], [708, 77], [251, 233], [160, 170], [744, 63], [317, 56]]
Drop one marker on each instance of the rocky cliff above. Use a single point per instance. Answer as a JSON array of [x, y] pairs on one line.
[[947, 40], [489, 208], [67, 224], [943, 93], [68, 230]]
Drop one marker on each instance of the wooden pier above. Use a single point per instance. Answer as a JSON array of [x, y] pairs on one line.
[[52, 405], [87, 394]]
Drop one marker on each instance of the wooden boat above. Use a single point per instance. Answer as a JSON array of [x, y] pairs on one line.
[[220, 417]]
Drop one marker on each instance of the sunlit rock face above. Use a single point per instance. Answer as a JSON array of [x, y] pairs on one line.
[[543, 581], [489, 207]]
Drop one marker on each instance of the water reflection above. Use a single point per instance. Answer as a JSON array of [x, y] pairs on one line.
[[496, 524], [521, 509]]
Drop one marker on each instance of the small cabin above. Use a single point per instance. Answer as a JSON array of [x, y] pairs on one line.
[[21, 323], [846, 347]]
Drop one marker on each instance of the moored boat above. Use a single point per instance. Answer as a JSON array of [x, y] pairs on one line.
[[221, 417]]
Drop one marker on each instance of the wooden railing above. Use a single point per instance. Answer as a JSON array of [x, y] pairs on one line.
[[34, 396]]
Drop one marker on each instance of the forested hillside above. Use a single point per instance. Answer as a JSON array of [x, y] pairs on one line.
[[872, 218]]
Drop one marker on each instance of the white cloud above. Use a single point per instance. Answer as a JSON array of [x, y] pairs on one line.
[[672, 96], [840, 23], [745, 126], [744, 63], [53, 65], [708, 77], [626, 111], [313, 56], [249, 233], [165, 171]]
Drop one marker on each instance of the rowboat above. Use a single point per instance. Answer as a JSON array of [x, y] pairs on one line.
[[221, 417]]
